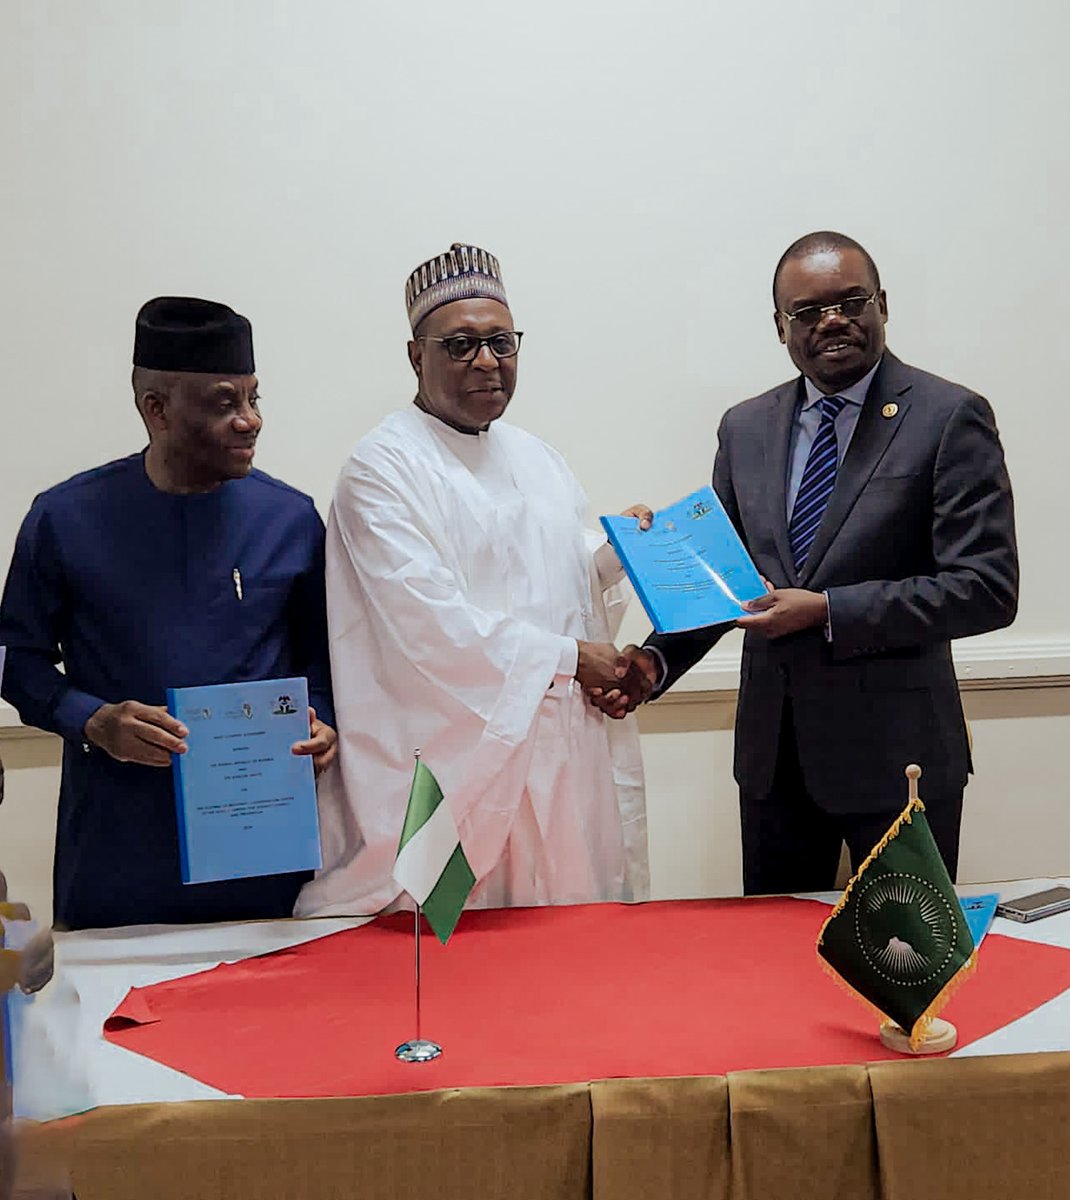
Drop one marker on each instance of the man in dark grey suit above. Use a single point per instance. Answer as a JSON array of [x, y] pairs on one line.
[[874, 499]]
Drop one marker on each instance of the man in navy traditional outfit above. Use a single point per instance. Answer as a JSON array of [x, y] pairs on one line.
[[178, 566]]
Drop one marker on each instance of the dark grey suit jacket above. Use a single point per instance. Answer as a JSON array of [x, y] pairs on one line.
[[916, 547]]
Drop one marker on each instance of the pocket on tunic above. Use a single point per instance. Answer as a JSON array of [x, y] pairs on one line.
[[890, 483]]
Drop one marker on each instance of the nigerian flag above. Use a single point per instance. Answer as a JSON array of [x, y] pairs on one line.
[[899, 938], [430, 863]]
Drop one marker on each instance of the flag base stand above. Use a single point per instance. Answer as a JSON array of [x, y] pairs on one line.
[[940, 1037], [418, 1050]]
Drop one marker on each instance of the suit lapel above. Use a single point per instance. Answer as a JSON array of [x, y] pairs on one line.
[[871, 438], [778, 444]]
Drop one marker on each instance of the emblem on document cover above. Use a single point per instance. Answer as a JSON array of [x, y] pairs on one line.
[[283, 707]]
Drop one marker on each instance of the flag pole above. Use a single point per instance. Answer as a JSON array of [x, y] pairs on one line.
[[419, 1049], [940, 1035], [416, 938]]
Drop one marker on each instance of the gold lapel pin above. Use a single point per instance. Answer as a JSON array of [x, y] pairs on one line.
[[889, 410]]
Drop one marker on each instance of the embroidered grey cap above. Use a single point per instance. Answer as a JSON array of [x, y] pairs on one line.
[[462, 273]]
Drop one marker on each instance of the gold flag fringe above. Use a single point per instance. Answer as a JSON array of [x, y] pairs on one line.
[[905, 817], [844, 986], [922, 1024]]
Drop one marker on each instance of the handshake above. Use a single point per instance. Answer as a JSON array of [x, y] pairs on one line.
[[618, 681], [615, 681]]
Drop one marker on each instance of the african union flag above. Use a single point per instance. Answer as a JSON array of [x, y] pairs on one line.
[[899, 938]]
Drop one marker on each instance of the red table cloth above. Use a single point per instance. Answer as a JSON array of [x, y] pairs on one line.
[[547, 995]]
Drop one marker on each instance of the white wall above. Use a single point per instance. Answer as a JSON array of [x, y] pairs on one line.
[[636, 166]]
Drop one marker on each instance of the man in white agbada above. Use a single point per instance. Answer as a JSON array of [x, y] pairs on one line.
[[468, 611]]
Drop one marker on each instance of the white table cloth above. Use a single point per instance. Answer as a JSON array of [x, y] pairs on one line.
[[64, 1065]]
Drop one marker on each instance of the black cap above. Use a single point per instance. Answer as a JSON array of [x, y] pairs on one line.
[[179, 333]]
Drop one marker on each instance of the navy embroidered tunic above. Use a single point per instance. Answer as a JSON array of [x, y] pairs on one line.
[[136, 590]]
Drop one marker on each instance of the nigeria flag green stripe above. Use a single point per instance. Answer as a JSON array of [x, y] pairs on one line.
[[430, 863]]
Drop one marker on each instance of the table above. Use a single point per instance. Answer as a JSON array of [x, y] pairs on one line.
[[990, 1121]]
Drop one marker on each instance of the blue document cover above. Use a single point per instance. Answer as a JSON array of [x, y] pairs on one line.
[[7, 1038], [689, 569], [979, 911], [246, 804], [13, 1006]]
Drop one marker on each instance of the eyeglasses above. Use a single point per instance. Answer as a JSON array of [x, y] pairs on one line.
[[463, 347], [852, 308]]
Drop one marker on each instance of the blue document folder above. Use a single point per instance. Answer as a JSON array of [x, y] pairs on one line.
[[13, 1005], [689, 569], [246, 804], [979, 911], [6, 1022]]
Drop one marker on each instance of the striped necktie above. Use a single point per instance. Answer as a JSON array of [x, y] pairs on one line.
[[818, 480]]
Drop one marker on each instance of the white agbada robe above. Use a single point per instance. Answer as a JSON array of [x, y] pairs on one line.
[[459, 578]]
